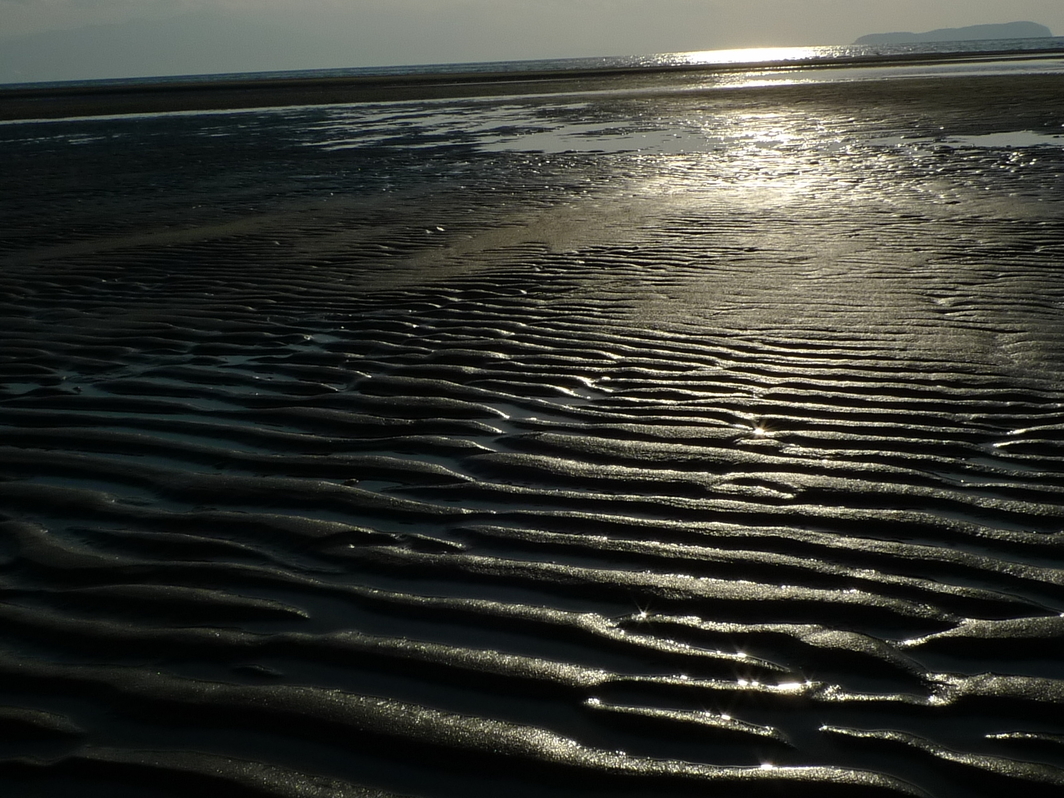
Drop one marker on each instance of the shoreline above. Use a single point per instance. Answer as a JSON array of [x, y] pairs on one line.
[[29, 102]]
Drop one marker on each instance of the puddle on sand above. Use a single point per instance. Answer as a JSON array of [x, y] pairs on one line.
[[1010, 140]]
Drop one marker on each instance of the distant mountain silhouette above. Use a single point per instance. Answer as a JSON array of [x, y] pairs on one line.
[[1008, 30]]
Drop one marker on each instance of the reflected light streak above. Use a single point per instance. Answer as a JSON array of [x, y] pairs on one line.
[[753, 55], [764, 160], [793, 687]]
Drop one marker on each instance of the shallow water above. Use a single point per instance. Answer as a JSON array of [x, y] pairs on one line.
[[630, 444]]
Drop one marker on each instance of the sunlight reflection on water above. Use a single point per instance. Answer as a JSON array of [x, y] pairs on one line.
[[758, 55]]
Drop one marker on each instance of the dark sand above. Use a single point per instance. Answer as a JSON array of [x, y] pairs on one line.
[[449, 449]]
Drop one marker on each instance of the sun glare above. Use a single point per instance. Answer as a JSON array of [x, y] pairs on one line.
[[751, 55]]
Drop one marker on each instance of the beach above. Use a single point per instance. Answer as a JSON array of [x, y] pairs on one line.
[[637, 434]]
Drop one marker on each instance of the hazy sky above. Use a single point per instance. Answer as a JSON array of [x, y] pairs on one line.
[[372, 32]]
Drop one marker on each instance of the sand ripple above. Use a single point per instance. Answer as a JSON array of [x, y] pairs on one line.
[[382, 471]]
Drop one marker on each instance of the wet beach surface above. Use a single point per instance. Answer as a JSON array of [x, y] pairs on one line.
[[620, 444]]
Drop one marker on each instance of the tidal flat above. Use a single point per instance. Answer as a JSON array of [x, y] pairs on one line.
[[677, 440]]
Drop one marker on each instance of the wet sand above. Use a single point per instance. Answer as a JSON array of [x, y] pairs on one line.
[[626, 445]]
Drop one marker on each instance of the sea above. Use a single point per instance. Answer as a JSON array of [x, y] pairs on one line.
[[789, 58], [692, 428]]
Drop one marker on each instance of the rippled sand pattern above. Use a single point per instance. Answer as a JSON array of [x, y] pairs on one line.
[[702, 443]]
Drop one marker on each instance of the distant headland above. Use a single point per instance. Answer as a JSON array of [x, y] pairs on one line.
[[1008, 30]]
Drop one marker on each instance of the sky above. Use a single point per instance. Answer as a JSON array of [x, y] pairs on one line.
[[169, 36]]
